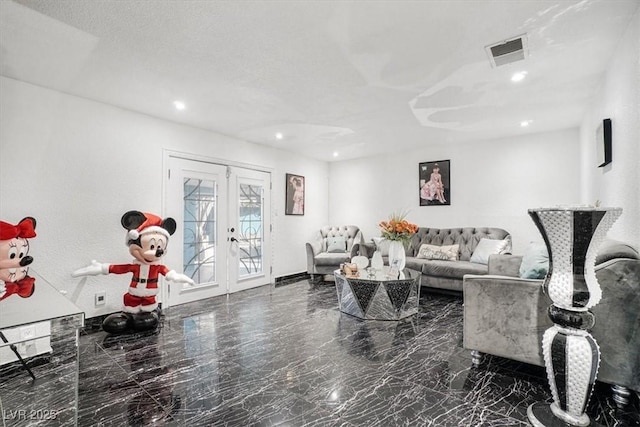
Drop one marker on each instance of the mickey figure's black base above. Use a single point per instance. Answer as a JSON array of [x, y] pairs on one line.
[[540, 415], [120, 323]]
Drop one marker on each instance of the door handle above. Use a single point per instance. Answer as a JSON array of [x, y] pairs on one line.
[[233, 239]]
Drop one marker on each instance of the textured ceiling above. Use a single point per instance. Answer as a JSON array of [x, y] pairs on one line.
[[357, 78]]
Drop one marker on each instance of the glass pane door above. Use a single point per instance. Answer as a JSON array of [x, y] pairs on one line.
[[196, 195], [250, 236], [199, 254], [250, 219], [223, 239]]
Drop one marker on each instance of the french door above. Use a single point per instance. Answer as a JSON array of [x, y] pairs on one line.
[[223, 239]]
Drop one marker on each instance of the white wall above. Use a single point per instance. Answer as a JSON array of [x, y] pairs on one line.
[[493, 184], [78, 165], [618, 98]]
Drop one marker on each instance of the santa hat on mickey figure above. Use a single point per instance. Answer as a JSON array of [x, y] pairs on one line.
[[139, 223]]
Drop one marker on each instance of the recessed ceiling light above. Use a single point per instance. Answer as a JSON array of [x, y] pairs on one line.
[[525, 123], [335, 154], [519, 76], [179, 105], [279, 135]]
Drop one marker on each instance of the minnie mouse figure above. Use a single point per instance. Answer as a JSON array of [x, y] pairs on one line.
[[14, 261], [147, 239]]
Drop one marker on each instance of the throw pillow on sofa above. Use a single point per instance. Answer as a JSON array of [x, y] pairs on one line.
[[336, 244], [488, 247], [535, 261], [444, 253]]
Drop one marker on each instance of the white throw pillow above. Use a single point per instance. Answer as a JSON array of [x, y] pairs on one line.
[[444, 253], [488, 247], [336, 244]]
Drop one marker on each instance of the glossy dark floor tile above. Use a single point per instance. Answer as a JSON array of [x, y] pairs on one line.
[[286, 356]]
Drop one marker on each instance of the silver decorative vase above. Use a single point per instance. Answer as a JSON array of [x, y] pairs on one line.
[[571, 354]]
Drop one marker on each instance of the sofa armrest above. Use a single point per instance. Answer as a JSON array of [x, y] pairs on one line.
[[310, 257], [505, 265], [617, 328], [505, 316], [313, 249], [363, 249], [355, 250]]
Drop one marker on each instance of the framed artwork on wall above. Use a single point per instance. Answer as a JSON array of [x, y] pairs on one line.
[[294, 195], [435, 183]]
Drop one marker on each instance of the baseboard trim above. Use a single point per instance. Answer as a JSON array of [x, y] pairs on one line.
[[291, 278], [95, 323]]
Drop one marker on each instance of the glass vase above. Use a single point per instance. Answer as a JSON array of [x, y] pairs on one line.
[[376, 261], [397, 256]]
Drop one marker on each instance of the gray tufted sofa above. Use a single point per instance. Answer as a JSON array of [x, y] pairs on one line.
[[506, 316], [447, 274], [319, 260]]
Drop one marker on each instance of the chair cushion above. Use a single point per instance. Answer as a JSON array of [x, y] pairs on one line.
[[488, 247], [451, 269], [330, 258], [414, 263]]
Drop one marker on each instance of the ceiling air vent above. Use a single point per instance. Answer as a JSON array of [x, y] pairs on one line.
[[508, 51]]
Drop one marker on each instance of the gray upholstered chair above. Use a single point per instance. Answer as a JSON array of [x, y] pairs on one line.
[[330, 247], [506, 316]]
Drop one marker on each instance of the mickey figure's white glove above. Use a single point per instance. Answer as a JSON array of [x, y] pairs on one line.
[[178, 277], [93, 269]]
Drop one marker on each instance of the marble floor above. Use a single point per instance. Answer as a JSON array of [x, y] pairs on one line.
[[286, 356]]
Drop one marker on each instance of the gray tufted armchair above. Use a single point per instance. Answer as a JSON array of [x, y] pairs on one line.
[[330, 247], [506, 316]]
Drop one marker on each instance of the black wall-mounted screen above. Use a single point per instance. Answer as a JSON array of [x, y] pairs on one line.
[[603, 143]]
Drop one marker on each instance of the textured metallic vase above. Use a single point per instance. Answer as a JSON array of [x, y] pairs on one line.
[[571, 355]]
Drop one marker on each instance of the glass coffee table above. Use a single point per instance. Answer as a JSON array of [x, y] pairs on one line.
[[377, 295]]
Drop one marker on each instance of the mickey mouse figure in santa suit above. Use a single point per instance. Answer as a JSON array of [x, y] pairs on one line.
[[147, 238], [14, 261]]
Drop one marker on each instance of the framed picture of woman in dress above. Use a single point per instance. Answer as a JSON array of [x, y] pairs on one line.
[[435, 183], [295, 195]]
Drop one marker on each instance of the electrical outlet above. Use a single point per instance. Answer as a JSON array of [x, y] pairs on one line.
[[101, 298], [28, 332]]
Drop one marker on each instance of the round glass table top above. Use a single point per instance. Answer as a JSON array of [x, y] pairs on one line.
[[386, 274]]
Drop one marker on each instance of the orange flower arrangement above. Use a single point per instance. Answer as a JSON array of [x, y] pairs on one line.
[[398, 228]]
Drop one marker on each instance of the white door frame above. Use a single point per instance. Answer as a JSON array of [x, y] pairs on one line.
[[167, 154]]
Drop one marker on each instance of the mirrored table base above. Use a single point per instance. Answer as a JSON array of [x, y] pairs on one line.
[[379, 298]]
